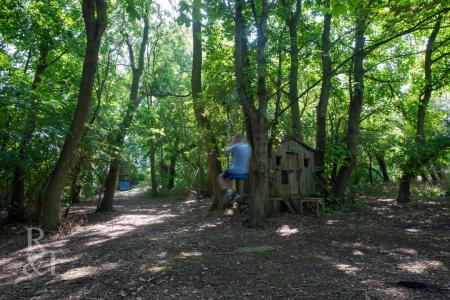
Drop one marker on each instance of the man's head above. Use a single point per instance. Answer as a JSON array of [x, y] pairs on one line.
[[238, 138]]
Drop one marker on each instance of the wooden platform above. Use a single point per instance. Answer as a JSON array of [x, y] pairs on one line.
[[292, 201], [318, 201]]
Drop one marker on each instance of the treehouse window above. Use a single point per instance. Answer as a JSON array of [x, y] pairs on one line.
[[284, 177], [278, 160], [306, 162]]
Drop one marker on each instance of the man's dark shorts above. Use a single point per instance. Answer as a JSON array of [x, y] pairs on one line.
[[230, 176]]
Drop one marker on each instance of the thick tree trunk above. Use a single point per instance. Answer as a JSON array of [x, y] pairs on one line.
[[322, 106], [355, 108], [208, 142], [95, 18], [114, 168], [260, 204], [16, 208], [214, 169], [404, 192], [154, 181], [292, 24], [110, 185], [382, 164], [404, 188]]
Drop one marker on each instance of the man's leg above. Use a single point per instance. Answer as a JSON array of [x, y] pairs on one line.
[[223, 182], [241, 186]]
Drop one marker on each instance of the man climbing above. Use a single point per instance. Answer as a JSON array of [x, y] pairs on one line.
[[240, 152]]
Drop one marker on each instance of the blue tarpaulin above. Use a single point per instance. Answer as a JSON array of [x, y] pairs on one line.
[[124, 185]]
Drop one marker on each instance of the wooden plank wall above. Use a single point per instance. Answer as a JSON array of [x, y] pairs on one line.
[[307, 184]]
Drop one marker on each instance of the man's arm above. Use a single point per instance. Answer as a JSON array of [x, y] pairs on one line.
[[229, 148]]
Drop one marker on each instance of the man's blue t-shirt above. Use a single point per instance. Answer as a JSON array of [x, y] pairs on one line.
[[241, 158]]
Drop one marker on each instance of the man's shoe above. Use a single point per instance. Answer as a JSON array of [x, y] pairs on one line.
[[228, 198], [235, 197]]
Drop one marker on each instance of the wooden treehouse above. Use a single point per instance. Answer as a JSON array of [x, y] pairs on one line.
[[291, 176]]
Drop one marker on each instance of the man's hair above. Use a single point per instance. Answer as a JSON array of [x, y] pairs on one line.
[[238, 138]]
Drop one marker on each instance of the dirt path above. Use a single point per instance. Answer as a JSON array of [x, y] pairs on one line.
[[175, 248]]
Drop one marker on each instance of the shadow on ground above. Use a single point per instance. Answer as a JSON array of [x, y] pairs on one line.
[[162, 248]]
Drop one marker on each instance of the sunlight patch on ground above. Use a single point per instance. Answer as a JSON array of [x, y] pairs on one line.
[[386, 200], [96, 242], [229, 212], [413, 230], [156, 269], [285, 230], [76, 273], [6, 261], [145, 210], [348, 269], [208, 225], [421, 266], [333, 222], [358, 253], [190, 201], [130, 193], [190, 254], [407, 251], [122, 225]]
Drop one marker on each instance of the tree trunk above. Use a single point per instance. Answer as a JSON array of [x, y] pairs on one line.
[[382, 164], [154, 181], [370, 169], [335, 132], [208, 142], [260, 205], [75, 190], [356, 102], [404, 189], [274, 129], [322, 106], [172, 171], [424, 178], [114, 168], [83, 154], [256, 118], [16, 208], [292, 23], [95, 18], [110, 185], [434, 176], [404, 192]]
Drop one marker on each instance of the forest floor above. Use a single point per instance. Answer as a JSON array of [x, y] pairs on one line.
[[176, 248]]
